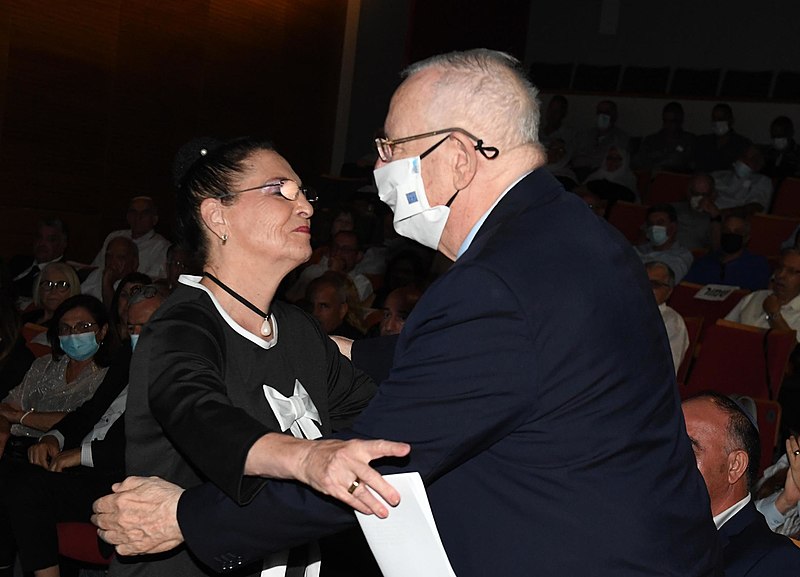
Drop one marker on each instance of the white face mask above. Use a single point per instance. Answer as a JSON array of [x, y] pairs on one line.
[[695, 200], [780, 143], [720, 127], [603, 121], [400, 186], [657, 234]]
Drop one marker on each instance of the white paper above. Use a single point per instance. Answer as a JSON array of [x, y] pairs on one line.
[[407, 542], [715, 292]]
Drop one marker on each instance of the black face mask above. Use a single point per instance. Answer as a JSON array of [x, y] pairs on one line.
[[730, 242]]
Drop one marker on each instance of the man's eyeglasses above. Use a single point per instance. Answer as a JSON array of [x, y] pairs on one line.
[[286, 188], [147, 291], [54, 285], [384, 145], [76, 329]]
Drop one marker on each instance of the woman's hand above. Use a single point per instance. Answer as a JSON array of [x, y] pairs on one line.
[[340, 468], [11, 413], [66, 459], [43, 452], [335, 468]]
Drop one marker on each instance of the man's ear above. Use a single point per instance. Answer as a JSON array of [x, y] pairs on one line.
[[213, 215], [738, 461], [465, 162]]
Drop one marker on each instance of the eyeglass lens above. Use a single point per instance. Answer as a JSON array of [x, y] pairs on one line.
[[60, 285], [76, 329]]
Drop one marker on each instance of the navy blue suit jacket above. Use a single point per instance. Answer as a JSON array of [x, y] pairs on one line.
[[535, 384], [750, 549]]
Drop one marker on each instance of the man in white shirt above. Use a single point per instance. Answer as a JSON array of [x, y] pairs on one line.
[[662, 241], [776, 308], [742, 186], [142, 218], [662, 279], [726, 445]]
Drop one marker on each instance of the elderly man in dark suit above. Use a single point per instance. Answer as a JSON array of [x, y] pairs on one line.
[[726, 445], [533, 380]]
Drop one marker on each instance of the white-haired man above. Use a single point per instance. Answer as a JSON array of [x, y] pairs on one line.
[[517, 378]]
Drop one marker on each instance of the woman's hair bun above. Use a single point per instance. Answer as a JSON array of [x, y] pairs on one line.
[[189, 154]]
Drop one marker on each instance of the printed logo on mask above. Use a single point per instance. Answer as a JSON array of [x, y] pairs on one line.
[[411, 197]]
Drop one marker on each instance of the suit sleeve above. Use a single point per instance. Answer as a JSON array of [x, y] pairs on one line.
[[462, 380]]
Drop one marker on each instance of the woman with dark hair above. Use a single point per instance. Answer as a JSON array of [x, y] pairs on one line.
[[59, 382], [223, 369]]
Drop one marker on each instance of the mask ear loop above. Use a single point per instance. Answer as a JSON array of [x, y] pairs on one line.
[[488, 152]]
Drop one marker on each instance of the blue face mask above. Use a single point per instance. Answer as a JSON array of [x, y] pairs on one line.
[[79, 347], [134, 340], [657, 234]]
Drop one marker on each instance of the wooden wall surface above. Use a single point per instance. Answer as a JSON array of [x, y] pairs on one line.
[[97, 95]]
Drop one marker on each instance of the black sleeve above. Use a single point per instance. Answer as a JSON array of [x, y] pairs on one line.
[[349, 389], [374, 356], [109, 454], [189, 398]]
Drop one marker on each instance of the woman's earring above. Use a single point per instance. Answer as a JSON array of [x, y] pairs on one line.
[[224, 239]]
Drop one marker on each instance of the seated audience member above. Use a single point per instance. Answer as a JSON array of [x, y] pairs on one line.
[[558, 158], [599, 206], [793, 240], [142, 217], [118, 309], [614, 180], [721, 148], [15, 357], [122, 258], [699, 219], [407, 267], [553, 126], [671, 147], [327, 297], [82, 346], [397, 307], [591, 146], [74, 463], [179, 261], [344, 254], [57, 282], [778, 492], [663, 246], [726, 445], [733, 264], [49, 245], [743, 187], [779, 306], [662, 279], [782, 156]]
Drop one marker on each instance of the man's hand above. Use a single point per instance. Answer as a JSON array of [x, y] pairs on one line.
[[140, 517], [771, 305], [43, 452], [66, 459]]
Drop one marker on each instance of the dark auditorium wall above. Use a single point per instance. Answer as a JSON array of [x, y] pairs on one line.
[[96, 96]]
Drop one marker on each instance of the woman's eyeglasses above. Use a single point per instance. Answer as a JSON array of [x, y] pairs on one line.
[[286, 188], [76, 329], [54, 285]]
